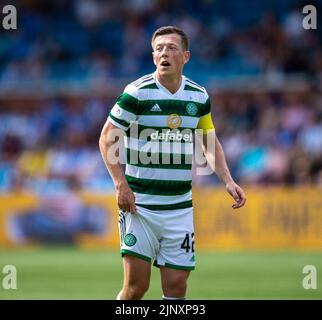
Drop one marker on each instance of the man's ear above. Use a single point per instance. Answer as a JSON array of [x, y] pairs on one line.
[[153, 58], [186, 57]]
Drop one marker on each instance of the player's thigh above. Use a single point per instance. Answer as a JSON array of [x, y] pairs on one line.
[[137, 272], [174, 282]]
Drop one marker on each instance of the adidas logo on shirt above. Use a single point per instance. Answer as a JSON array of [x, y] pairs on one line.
[[155, 108]]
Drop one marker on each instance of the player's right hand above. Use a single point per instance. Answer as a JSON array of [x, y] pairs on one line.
[[125, 198]]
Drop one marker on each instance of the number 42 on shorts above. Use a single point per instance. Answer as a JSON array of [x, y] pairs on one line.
[[188, 243]]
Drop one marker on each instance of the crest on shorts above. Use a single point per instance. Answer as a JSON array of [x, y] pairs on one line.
[[174, 121], [192, 109], [130, 239]]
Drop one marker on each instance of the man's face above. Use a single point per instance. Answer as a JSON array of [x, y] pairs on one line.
[[169, 55]]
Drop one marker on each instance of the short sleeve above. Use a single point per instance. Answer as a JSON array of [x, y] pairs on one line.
[[125, 111]]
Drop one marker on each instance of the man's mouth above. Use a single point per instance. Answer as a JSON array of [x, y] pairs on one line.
[[165, 64]]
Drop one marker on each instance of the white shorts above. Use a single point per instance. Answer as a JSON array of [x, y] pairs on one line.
[[165, 237]]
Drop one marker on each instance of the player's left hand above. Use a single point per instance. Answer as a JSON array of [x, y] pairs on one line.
[[237, 193]]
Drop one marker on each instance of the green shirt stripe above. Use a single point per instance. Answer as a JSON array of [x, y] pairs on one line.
[[167, 106], [158, 187], [121, 122], [170, 106], [175, 206], [128, 103], [190, 88]]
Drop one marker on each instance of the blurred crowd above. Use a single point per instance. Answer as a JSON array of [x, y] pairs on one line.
[[269, 137], [46, 144], [79, 39]]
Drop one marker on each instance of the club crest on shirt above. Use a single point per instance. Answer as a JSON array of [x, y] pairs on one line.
[[174, 121], [192, 109]]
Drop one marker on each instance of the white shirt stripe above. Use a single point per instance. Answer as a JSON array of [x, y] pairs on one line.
[[155, 146], [157, 94], [158, 174], [161, 121]]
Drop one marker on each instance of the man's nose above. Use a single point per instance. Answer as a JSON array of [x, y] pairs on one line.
[[164, 52]]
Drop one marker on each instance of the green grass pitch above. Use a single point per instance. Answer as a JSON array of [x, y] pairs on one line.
[[67, 273]]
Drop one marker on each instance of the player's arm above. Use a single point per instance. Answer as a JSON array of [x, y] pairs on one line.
[[223, 173], [215, 156], [110, 136]]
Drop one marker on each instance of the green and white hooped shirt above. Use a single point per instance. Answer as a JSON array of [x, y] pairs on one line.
[[159, 129]]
